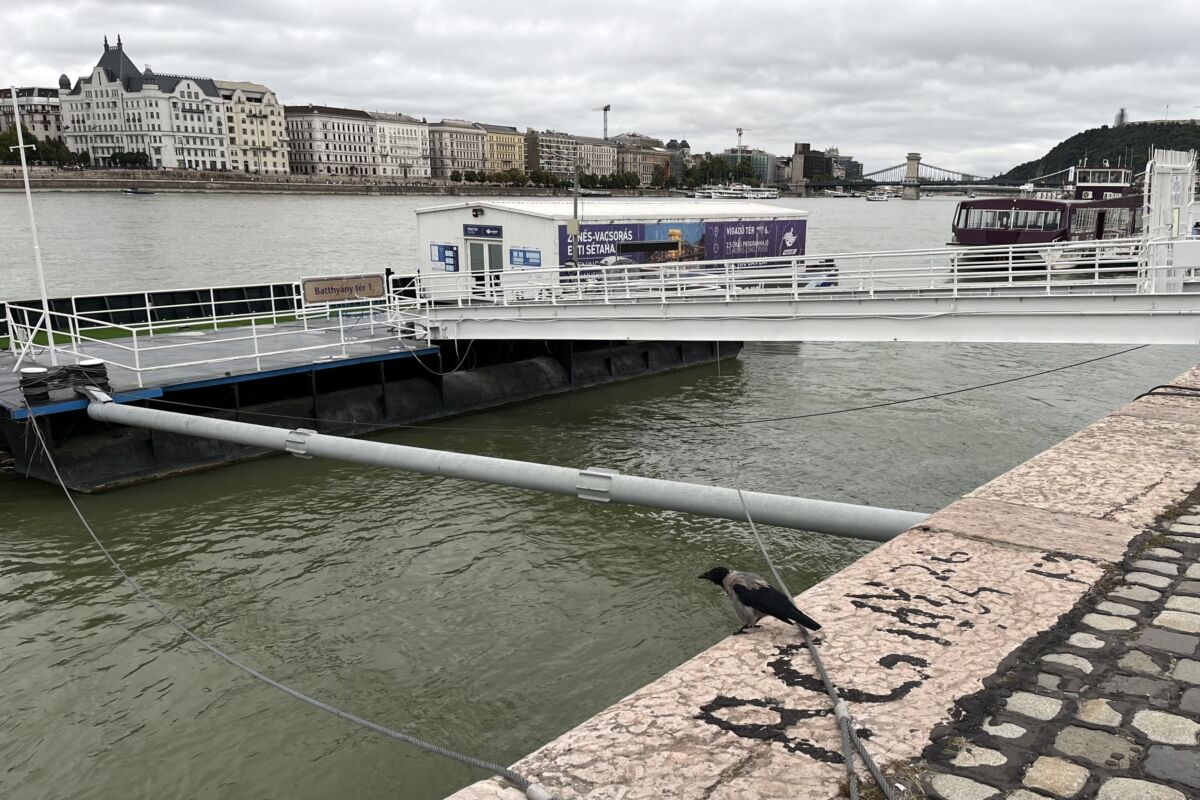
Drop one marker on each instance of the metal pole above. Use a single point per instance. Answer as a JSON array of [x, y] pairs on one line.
[[600, 485], [37, 250]]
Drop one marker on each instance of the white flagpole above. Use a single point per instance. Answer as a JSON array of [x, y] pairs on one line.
[[37, 250]]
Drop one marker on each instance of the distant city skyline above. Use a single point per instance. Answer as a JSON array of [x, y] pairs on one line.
[[972, 86]]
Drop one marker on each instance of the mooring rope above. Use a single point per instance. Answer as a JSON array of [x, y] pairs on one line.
[[531, 790], [850, 740]]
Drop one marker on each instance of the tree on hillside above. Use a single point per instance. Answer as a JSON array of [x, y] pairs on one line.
[[1128, 145]]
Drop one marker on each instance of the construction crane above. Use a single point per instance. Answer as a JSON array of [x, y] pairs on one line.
[[738, 161], [605, 108]]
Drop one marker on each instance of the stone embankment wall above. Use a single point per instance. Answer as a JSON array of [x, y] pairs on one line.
[[915, 634], [50, 179]]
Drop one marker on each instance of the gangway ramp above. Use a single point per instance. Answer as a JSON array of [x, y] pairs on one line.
[[1109, 291]]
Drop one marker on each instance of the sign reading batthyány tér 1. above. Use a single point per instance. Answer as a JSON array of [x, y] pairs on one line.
[[342, 289]]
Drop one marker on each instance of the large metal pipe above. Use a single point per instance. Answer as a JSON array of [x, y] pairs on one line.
[[601, 485]]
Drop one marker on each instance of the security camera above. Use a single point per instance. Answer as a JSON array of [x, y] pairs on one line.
[[476, 212]]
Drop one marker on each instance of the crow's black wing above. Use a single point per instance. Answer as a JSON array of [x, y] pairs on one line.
[[769, 600]]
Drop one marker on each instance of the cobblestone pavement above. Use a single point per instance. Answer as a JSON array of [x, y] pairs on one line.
[[1106, 705]]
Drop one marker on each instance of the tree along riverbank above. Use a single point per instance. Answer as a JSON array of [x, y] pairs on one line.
[[48, 179]]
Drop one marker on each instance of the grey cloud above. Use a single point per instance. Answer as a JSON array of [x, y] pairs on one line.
[[978, 86]]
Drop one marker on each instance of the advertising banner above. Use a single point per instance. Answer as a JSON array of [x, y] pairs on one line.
[[692, 240], [754, 239]]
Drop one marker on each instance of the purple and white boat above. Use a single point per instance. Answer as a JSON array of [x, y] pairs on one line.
[[1102, 205]]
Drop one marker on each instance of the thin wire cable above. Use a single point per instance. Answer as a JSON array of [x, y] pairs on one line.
[[1177, 391], [888, 403], [457, 366], [840, 710], [514, 778], [673, 424]]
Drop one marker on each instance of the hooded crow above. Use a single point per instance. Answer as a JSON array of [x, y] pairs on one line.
[[753, 598]]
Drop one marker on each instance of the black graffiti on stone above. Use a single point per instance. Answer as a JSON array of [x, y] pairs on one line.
[[956, 557], [937, 575], [1060, 576], [925, 637], [979, 591], [905, 614], [777, 731], [900, 594], [790, 676]]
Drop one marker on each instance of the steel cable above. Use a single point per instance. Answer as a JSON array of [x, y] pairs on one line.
[[532, 791], [850, 740]]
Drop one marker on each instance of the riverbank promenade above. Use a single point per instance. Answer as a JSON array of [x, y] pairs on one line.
[[1038, 638]]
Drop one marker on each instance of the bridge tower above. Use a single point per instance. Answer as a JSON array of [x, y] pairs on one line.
[[912, 177]]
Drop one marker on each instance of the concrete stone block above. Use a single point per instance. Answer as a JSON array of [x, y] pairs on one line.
[[1005, 730], [1035, 706], [1167, 728], [955, 787], [1186, 670], [1139, 593], [1069, 660], [974, 755], [1098, 712], [1188, 587], [1184, 603], [1085, 641], [1178, 621], [1162, 567], [1117, 609], [1178, 643], [1135, 789], [1148, 579], [1150, 688], [1173, 764], [1190, 701], [1024, 526], [1142, 473], [1057, 776], [1105, 622], [1137, 661], [1096, 746], [1163, 552]]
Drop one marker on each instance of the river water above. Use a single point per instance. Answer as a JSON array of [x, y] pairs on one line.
[[484, 618]]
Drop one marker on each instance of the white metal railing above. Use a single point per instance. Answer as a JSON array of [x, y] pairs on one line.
[[1112, 266], [159, 343]]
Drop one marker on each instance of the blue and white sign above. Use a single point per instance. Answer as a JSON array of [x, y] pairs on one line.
[[524, 257], [444, 254], [483, 231]]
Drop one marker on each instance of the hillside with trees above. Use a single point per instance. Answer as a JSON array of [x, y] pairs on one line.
[[1128, 144]]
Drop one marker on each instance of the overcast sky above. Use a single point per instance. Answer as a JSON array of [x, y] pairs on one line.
[[974, 86]]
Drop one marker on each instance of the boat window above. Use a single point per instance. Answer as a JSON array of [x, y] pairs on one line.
[[1083, 223], [1052, 220], [1117, 223]]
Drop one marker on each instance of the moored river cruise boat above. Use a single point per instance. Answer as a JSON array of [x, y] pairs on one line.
[[1102, 204]]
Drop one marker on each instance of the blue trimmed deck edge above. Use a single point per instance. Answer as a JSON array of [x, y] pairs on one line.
[[133, 395]]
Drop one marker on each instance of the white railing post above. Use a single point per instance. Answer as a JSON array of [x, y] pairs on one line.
[[254, 338], [342, 330], [149, 313], [212, 307], [137, 359]]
